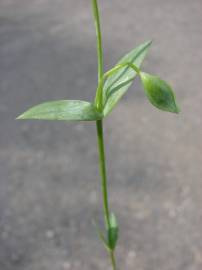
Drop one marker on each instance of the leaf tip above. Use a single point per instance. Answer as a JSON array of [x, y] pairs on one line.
[[25, 115], [177, 109], [20, 117], [150, 42]]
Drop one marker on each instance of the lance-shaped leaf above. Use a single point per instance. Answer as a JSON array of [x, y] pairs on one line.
[[117, 84], [75, 110], [159, 93], [101, 236]]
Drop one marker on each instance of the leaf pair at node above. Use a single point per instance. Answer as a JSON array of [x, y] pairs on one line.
[[111, 88]]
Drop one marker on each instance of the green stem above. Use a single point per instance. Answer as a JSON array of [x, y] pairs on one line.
[[104, 183], [119, 66], [113, 260], [98, 98], [99, 38], [103, 171], [99, 124]]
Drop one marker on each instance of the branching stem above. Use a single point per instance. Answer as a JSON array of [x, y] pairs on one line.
[[99, 95]]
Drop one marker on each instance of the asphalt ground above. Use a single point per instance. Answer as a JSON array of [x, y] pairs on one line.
[[49, 181]]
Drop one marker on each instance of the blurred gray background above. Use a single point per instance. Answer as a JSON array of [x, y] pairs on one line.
[[49, 181]]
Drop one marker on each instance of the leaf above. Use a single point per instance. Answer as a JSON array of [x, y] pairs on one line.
[[159, 93], [101, 236], [117, 84], [113, 231], [75, 110]]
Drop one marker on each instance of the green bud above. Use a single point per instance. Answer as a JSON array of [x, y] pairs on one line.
[[159, 93]]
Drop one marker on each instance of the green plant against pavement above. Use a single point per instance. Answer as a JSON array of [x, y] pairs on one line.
[[112, 85]]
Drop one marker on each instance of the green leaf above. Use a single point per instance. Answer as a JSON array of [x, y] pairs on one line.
[[75, 110], [117, 84], [113, 232], [101, 235], [159, 93]]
